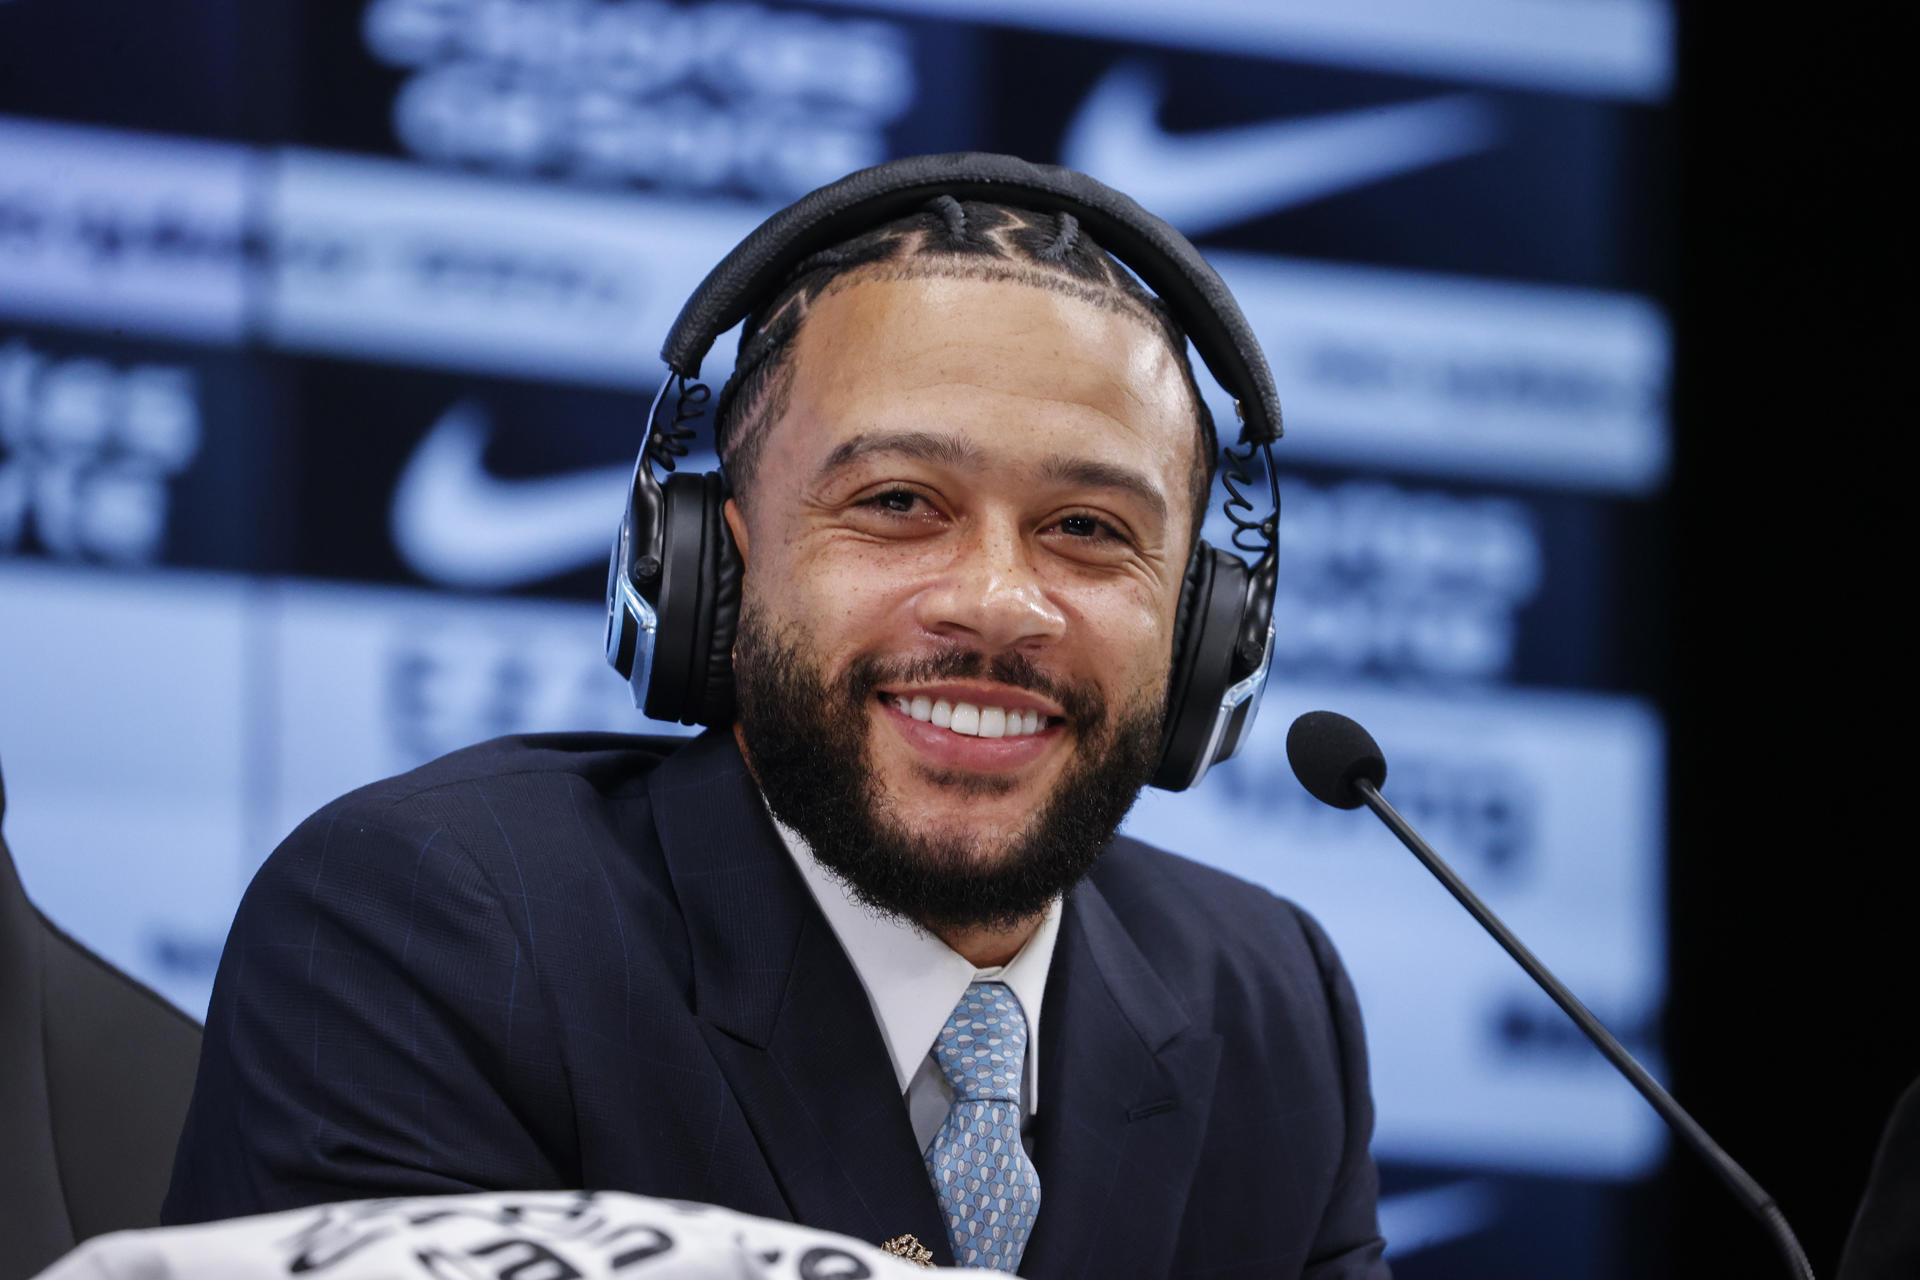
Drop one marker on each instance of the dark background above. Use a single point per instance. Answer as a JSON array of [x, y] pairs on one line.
[[1792, 1015]]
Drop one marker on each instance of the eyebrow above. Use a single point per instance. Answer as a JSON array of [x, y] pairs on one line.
[[926, 446], [1088, 473], [933, 446]]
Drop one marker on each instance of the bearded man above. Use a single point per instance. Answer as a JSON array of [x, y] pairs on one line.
[[871, 957]]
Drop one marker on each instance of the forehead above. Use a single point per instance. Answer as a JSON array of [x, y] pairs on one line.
[[1016, 368]]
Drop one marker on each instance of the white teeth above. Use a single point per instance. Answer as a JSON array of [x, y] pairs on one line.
[[966, 717]]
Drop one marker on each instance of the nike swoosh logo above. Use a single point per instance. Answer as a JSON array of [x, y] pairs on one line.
[[1201, 182], [456, 524]]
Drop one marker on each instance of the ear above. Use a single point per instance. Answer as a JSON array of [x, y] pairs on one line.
[[737, 523]]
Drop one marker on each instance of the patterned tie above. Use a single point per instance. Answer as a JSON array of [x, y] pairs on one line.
[[986, 1185]]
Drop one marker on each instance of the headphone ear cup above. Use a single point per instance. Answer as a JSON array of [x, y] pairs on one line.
[[698, 605], [680, 650], [1206, 628], [1193, 588], [723, 609]]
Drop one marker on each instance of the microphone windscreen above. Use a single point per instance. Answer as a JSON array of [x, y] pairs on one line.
[[1329, 753]]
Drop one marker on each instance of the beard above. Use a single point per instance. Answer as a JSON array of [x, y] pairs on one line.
[[808, 740]]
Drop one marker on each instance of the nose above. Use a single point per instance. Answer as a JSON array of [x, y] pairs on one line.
[[991, 594]]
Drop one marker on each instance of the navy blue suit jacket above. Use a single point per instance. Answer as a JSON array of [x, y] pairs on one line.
[[588, 961]]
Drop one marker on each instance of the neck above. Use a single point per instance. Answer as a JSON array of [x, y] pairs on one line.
[[985, 948]]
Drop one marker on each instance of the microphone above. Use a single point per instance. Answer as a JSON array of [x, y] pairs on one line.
[[1340, 764]]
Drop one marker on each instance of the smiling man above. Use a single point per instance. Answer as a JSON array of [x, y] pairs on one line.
[[962, 567], [872, 956]]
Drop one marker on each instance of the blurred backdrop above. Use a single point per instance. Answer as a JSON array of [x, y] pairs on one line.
[[328, 329]]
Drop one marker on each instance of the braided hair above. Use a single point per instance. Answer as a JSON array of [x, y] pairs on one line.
[[948, 238]]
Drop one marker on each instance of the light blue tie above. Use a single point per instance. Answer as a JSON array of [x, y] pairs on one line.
[[987, 1187]]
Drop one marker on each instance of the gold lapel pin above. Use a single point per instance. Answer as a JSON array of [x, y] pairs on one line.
[[909, 1248]]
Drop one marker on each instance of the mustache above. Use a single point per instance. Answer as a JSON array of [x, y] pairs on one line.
[[1083, 703]]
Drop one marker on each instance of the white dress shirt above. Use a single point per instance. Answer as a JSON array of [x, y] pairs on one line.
[[913, 981]]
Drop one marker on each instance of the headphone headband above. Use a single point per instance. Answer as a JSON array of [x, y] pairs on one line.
[[1154, 251]]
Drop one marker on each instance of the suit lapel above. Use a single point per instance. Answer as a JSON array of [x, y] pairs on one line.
[[783, 1011], [1126, 1088]]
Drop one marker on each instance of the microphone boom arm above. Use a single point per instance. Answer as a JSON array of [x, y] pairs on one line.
[[1738, 1180]]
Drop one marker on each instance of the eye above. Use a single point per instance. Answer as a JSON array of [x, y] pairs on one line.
[[1089, 528], [896, 501], [1089, 539], [896, 512]]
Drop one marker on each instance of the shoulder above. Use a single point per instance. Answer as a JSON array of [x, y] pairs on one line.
[[540, 848], [608, 764], [1203, 929], [522, 805], [506, 782]]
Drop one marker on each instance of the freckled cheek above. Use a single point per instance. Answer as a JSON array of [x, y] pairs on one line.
[[850, 606], [1126, 635]]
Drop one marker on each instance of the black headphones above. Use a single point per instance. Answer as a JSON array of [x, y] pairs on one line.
[[673, 587]]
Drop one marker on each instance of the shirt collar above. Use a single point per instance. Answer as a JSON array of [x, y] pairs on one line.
[[912, 979]]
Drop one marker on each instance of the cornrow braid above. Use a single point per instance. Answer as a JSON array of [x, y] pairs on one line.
[[1061, 245], [954, 215], [973, 239]]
